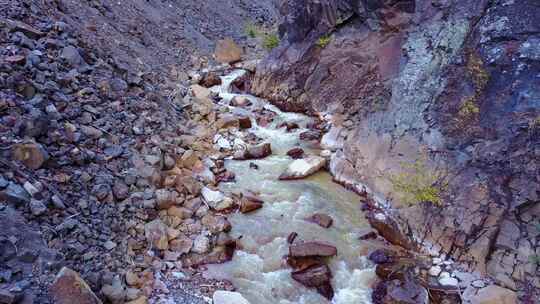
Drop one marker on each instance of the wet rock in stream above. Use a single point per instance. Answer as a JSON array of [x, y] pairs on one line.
[[320, 219], [254, 152], [250, 203], [304, 167], [312, 248], [317, 276]]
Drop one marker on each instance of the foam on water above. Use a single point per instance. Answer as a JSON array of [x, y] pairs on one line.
[[258, 270]]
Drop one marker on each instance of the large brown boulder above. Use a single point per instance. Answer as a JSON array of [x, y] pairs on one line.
[[68, 288], [227, 51]]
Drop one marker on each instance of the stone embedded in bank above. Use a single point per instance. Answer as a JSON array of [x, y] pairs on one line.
[[304, 167]]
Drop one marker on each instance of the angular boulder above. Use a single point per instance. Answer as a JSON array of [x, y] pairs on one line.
[[302, 168], [227, 51], [68, 288], [313, 248], [250, 204]]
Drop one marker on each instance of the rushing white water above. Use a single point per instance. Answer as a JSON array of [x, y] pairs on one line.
[[258, 270]]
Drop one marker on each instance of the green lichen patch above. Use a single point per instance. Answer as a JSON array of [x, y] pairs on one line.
[[323, 41], [419, 184]]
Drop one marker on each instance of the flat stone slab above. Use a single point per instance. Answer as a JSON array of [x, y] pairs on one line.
[[314, 248], [304, 167]]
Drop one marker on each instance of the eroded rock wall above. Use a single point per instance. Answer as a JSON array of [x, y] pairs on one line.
[[451, 85]]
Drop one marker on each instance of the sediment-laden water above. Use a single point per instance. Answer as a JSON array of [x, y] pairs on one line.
[[258, 270]]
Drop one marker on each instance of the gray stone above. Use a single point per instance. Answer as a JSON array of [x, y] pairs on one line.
[[15, 194], [37, 207], [72, 56]]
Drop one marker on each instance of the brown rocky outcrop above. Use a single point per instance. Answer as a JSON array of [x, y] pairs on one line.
[[69, 287], [420, 89], [227, 51]]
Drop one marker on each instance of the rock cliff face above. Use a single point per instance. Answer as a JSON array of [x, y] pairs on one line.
[[427, 101]]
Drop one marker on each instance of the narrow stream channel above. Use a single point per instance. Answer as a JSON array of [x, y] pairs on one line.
[[258, 269]]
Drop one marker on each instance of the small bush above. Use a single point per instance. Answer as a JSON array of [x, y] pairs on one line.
[[419, 184], [469, 109], [270, 41], [251, 30], [324, 41]]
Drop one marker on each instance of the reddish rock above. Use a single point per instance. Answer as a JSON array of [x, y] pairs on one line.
[[244, 122], [249, 204], [322, 220], [254, 152], [296, 153], [318, 276], [312, 249], [69, 288]]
